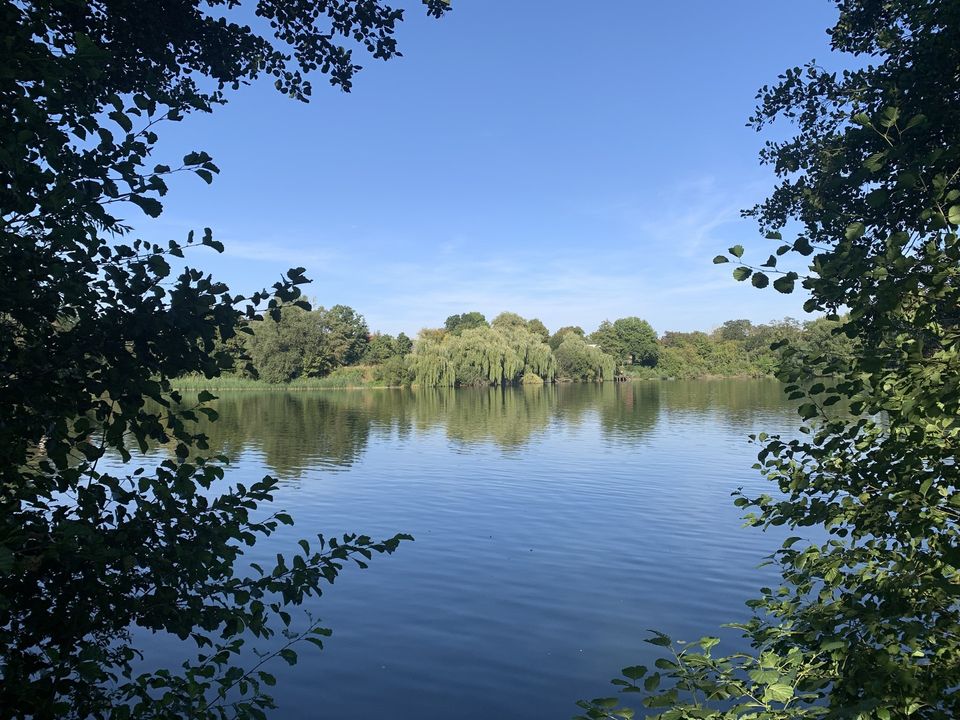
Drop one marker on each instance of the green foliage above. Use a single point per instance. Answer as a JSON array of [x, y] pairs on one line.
[[630, 340], [456, 324], [383, 347], [697, 355], [498, 355], [507, 321], [558, 336], [93, 325], [307, 343], [866, 620], [578, 361], [395, 372], [538, 328], [403, 344], [345, 333]]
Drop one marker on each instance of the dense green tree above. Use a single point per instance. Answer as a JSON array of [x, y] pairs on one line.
[[558, 336], [698, 355], [735, 330], [403, 344], [302, 343], [866, 620], [578, 361], [345, 333], [381, 348], [637, 341], [483, 356], [95, 323], [537, 327], [508, 320], [606, 339], [396, 371], [435, 335], [456, 324], [630, 340]]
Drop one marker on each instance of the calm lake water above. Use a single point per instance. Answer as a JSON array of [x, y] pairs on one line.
[[553, 526]]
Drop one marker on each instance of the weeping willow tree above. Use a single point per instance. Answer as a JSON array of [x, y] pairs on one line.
[[534, 353], [431, 366], [483, 356]]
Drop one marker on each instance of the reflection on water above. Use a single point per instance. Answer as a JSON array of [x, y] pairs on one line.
[[553, 526], [297, 431]]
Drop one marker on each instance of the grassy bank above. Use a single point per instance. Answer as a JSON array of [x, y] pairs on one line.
[[349, 378]]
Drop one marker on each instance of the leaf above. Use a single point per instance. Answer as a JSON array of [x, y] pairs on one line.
[[876, 198], [808, 410], [760, 280], [150, 206], [742, 273], [953, 215], [802, 245], [660, 639], [855, 231], [736, 251], [784, 284], [778, 692], [634, 672], [122, 120], [720, 259], [289, 655], [605, 703]]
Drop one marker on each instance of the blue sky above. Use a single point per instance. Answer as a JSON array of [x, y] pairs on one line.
[[528, 156]]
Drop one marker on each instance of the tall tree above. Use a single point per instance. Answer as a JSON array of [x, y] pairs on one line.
[[456, 324], [558, 336], [537, 327], [630, 340], [94, 323]]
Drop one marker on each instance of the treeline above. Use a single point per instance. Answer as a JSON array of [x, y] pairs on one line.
[[468, 350]]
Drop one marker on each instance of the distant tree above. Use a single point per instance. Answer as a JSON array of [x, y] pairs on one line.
[[396, 371], [482, 356], [630, 340], [637, 341], [428, 335], [380, 348], [346, 335], [735, 330], [578, 361], [606, 339], [538, 328], [305, 343], [508, 320], [403, 344], [290, 347], [558, 336], [456, 324]]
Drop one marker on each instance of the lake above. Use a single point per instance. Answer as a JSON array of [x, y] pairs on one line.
[[553, 526]]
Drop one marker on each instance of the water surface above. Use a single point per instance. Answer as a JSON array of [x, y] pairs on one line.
[[553, 526]]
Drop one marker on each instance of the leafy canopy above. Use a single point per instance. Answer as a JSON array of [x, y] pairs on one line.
[[866, 621], [94, 323]]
